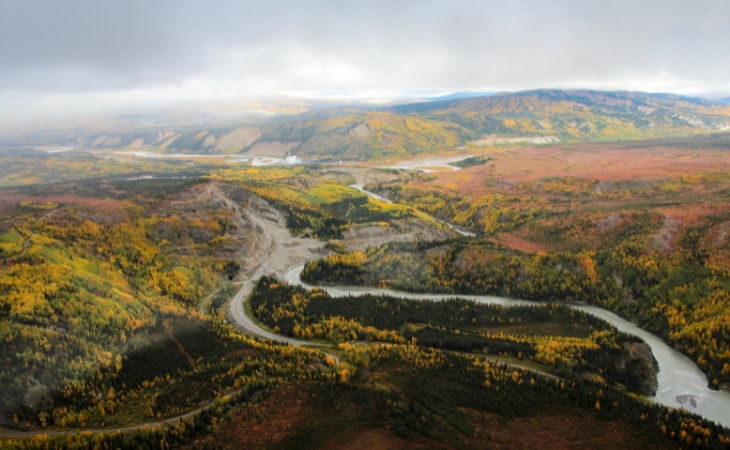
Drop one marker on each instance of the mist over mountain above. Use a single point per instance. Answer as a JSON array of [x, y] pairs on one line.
[[358, 130], [459, 95], [277, 224]]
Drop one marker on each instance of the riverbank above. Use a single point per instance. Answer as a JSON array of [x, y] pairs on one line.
[[680, 383]]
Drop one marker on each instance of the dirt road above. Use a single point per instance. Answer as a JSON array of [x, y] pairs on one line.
[[6, 433], [271, 249], [26, 242]]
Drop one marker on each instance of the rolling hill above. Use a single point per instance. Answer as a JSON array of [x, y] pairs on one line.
[[578, 115], [367, 132]]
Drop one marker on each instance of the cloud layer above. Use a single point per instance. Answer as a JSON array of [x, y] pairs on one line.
[[66, 54]]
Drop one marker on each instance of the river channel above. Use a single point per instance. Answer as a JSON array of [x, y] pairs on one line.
[[681, 383]]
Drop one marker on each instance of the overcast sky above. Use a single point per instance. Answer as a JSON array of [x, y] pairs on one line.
[[64, 58]]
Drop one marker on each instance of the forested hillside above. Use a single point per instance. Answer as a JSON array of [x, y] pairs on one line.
[[577, 115], [107, 320], [97, 281], [561, 340], [360, 132], [645, 237], [99, 271], [403, 395]]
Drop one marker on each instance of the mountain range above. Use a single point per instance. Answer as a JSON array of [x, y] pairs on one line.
[[362, 131]]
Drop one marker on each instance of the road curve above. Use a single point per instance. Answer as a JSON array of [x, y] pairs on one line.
[[6, 433], [239, 320], [243, 323], [361, 187], [26, 242], [205, 301], [237, 316]]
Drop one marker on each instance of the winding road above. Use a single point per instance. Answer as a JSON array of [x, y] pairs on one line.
[[677, 373], [681, 383], [361, 188], [239, 320], [205, 301], [6, 433], [26, 242], [288, 252]]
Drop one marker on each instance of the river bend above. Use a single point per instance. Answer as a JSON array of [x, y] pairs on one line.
[[681, 384]]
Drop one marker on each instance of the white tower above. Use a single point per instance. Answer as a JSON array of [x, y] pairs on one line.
[[291, 159]]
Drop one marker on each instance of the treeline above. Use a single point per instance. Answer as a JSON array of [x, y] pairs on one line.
[[684, 297], [312, 202], [431, 397], [659, 247], [466, 267], [189, 363], [27, 167], [568, 342], [140, 187], [447, 384], [175, 435], [471, 161], [100, 282]]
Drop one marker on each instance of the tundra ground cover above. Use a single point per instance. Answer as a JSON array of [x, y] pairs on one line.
[[653, 249], [105, 331]]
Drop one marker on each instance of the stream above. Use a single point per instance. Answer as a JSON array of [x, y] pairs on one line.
[[681, 384]]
